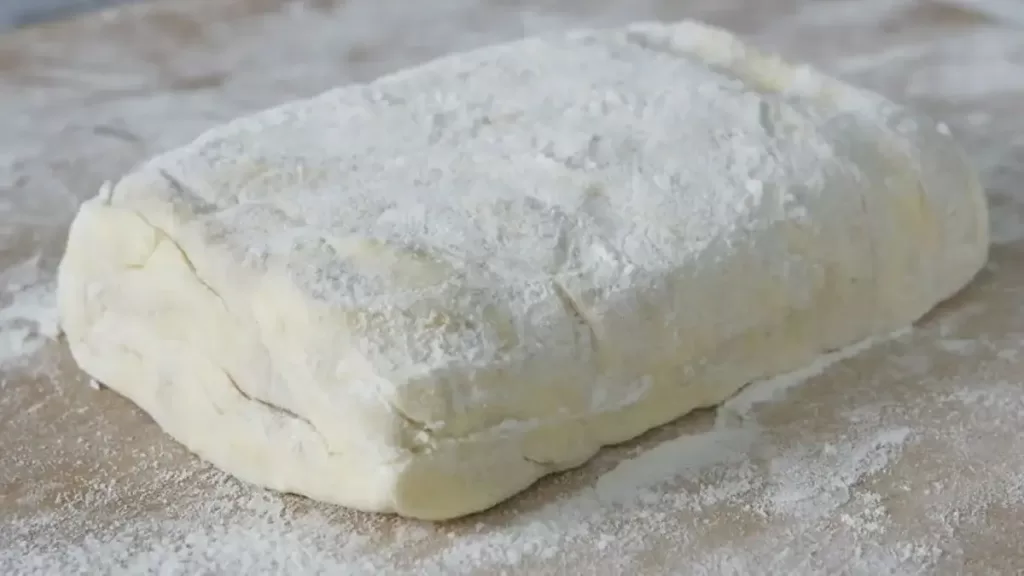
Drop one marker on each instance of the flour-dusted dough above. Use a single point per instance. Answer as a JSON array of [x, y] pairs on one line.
[[422, 294]]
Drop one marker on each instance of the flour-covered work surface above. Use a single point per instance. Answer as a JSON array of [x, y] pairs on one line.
[[15, 13], [895, 458]]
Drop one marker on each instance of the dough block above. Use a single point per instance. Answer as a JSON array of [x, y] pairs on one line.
[[421, 294]]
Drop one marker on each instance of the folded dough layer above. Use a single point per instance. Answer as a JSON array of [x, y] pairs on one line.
[[422, 294]]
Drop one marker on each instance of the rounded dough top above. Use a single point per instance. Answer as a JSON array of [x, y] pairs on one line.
[[454, 211], [599, 151]]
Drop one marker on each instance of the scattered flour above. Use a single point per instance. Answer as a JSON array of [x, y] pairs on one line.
[[960, 346], [1007, 226], [28, 314], [970, 66], [774, 388]]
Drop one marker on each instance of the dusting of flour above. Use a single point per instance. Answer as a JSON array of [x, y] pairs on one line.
[[28, 314]]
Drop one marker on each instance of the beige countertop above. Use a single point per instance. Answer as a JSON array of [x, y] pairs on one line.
[[905, 459]]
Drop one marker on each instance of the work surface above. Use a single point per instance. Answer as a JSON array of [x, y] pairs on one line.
[[906, 458], [25, 12]]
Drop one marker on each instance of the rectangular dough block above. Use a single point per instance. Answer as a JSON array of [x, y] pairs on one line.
[[422, 294]]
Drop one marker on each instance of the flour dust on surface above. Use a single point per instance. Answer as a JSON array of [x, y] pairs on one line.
[[899, 458]]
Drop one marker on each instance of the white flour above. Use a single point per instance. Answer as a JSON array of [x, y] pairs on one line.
[[910, 473], [773, 389], [28, 314]]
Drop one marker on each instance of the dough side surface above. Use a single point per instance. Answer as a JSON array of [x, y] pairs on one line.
[[421, 294]]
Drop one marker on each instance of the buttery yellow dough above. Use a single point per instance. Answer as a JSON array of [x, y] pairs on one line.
[[422, 294]]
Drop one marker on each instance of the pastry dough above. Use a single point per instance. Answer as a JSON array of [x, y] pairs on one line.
[[422, 294]]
